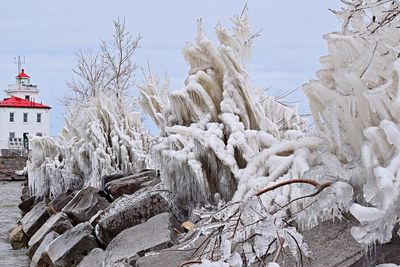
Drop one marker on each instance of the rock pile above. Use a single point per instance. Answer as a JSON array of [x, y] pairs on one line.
[[133, 221], [114, 226]]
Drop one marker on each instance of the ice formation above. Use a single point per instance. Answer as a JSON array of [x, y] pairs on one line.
[[103, 139], [224, 140], [355, 105], [226, 143], [218, 130]]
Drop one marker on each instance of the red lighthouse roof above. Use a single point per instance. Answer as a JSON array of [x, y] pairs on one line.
[[22, 75], [16, 102]]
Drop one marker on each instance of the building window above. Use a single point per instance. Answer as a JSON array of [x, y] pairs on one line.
[[25, 117], [39, 134], [11, 135], [11, 116], [27, 97], [39, 117]]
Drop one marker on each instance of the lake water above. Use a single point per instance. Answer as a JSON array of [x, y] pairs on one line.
[[10, 193]]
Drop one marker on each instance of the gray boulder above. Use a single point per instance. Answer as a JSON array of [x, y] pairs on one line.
[[332, 244], [38, 259], [157, 233], [96, 257], [70, 248], [17, 238], [35, 218], [379, 254], [130, 184], [174, 256], [165, 258], [127, 212], [58, 223], [59, 202], [27, 204], [86, 203]]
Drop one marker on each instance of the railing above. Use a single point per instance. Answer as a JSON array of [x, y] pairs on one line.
[[15, 143]]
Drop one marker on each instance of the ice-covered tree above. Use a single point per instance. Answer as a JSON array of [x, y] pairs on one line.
[[355, 105], [224, 140], [102, 135], [100, 140]]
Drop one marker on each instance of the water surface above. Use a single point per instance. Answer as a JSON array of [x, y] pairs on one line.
[[10, 193]]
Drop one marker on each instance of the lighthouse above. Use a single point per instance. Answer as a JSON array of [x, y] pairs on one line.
[[22, 115]]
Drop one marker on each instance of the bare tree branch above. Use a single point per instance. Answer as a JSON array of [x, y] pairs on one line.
[[110, 69]]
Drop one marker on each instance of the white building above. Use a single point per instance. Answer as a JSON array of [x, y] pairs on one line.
[[21, 115]]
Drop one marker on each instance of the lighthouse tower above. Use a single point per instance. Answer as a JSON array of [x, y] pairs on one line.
[[21, 115], [23, 88]]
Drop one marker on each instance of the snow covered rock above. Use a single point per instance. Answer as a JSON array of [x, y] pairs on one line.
[[331, 244]]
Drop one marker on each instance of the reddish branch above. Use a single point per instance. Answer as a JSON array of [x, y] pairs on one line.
[[190, 263], [279, 250], [318, 186]]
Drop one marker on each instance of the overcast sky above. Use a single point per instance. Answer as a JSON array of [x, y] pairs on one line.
[[49, 33]]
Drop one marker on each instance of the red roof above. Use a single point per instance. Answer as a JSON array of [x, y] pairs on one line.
[[16, 102], [23, 75]]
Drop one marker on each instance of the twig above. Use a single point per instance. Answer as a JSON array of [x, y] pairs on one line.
[[247, 239], [202, 243], [292, 181], [296, 212], [370, 60], [279, 250], [298, 247], [319, 190], [190, 262], [236, 226]]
